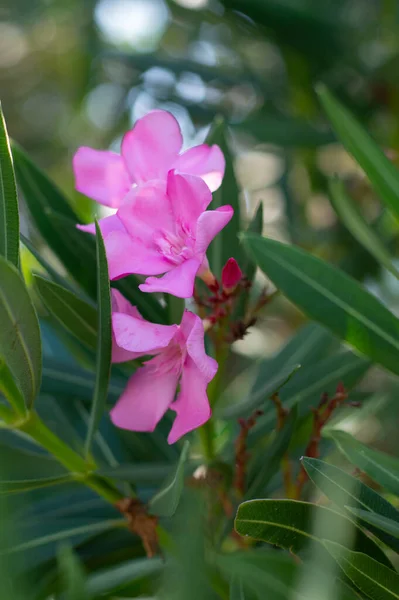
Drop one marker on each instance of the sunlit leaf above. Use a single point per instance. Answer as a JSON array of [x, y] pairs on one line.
[[9, 215]]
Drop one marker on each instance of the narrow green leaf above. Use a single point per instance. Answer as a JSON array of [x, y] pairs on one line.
[[378, 522], [175, 308], [76, 315], [111, 578], [237, 589], [268, 461], [226, 244], [150, 473], [306, 388], [331, 297], [26, 485], [104, 341], [384, 469], [369, 576], [255, 226], [349, 214], [72, 575], [9, 215], [43, 262], [166, 500], [261, 395], [67, 534], [288, 524], [382, 173], [20, 345], [346, 491]]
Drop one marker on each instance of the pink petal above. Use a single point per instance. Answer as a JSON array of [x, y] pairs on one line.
[[126, 256], [204, 161], [152, 146], [107, 224], [193, 331], [210, 223], [145, 400], [138, 335], [120, 355], [179, 281], [189, 197], [121, 305], [146, 210], [101, 175], [192, 406]]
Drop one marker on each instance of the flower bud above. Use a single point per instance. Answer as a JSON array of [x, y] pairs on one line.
[[231, 275]]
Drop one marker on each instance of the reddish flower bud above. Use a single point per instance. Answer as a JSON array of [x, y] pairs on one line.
[[231, 275]]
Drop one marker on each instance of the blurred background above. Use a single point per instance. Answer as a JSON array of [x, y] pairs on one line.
[[81, 72]]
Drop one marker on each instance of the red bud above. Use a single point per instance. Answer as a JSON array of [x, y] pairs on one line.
[[231, 274]]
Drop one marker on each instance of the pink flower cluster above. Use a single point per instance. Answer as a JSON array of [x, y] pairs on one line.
[[161, 227]]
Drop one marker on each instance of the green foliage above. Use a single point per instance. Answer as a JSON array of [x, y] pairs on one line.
[[9, 215]]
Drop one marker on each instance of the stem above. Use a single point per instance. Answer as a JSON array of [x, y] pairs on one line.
[[70, 459]]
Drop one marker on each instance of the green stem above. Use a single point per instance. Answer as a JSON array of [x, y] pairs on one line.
[[71, 460]]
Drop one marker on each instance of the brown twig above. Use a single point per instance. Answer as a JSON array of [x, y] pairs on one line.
[[241, 454], [140, 523]]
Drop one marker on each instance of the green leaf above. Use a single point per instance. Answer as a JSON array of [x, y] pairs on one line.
[[145, 472], [331, 297], [268, 461], [76, 315], [43, 262], [349, 214], [9, 215], [111, 578], [166, 500], [72, 574], [226, 243], [378, 522], [288, 524], [20, 344], [369, 576], [346, 491], [26, 485], [382, 173], [306, 388], [104, 341], [255, 226], [237, 589], [261, 395], [384, 469]]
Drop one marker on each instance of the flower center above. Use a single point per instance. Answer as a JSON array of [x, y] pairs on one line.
[[169, 360], [175, 246]]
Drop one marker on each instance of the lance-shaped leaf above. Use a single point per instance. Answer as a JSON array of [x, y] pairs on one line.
[[20, 344], [289, 524], [369, 576], [166, 500], [382, 173], [104, 342], [331, 297], [72, 574], [384, 469], [376, 523], [350, 215], [9, 216], [76, 315]]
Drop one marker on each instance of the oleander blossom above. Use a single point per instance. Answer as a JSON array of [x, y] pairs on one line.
[[178, 357], [148, 152]]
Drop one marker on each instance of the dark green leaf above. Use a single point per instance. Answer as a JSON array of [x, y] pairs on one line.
[[384, 469], [111, 578], [237, 589], [379, 525], [9, 215], [306, 388], [369, 576], [72, 575], [331, 297], [268, 461], [104, 341], [76, 315], [166, 500], [255, 226], [349, 214], [43, 262], [151, 473], [226, 244], [20, 345], [345, 490], [382, 173], [288, 523], [20, 486]]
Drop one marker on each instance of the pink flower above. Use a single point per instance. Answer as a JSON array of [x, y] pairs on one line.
[[149, 151], [157, 232], [179, 356], [231, 275]]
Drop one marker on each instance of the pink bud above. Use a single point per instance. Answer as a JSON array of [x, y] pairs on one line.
[[231, 274]]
